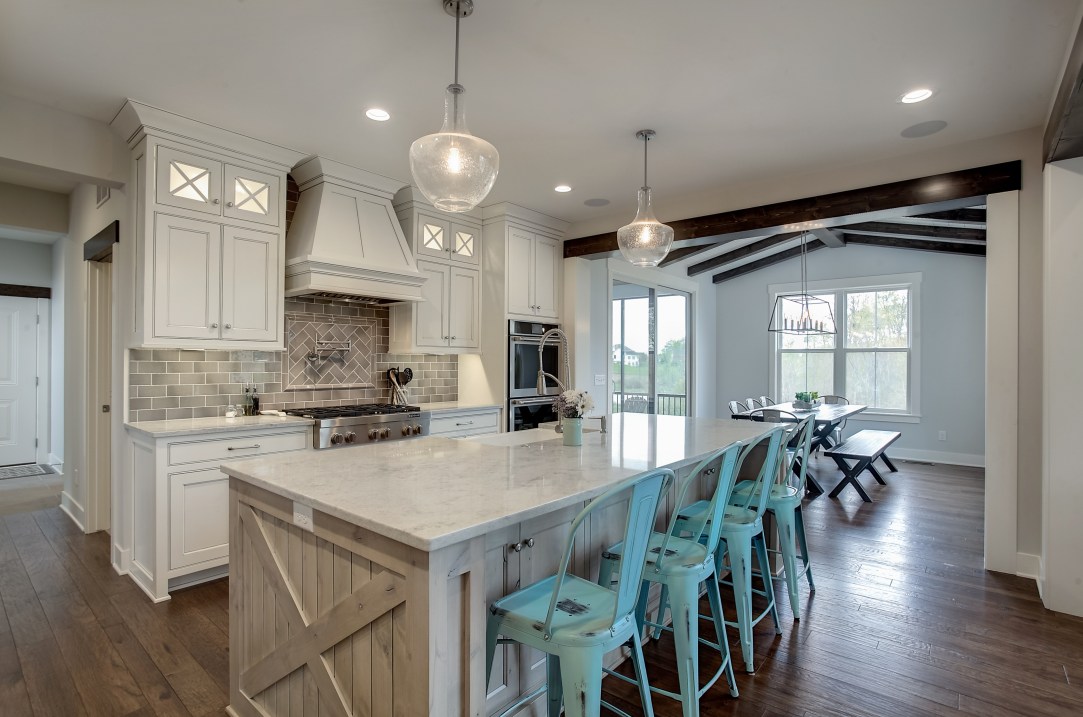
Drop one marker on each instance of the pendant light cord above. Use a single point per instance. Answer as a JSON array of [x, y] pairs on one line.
[[646, 138], [458, 16]]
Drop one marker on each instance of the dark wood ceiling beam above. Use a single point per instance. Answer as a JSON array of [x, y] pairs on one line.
[[741, 253], [766, 262], [969, 214], [940, 192], [830, 237], [687, 252], [948, 247], [916, 230], [1063, 138]]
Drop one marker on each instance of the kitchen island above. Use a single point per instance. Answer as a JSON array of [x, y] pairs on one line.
[[376, 605]]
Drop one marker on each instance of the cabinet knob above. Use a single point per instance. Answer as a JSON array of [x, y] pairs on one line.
[[517, 547], [229, 204], [453, 338], [214, 325], [530, 542], [217, 201], [229, 326], [446, 338]]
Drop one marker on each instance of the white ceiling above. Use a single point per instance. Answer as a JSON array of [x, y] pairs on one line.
[[736, 90]]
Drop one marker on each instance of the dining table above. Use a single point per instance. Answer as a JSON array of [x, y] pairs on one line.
[[827, 417]]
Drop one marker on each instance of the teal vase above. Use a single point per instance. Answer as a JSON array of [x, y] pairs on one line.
[[573, 431]]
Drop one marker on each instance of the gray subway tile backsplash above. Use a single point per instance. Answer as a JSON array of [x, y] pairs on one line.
[[187, 383]]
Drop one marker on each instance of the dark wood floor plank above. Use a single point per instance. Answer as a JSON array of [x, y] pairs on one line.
[[14, 698], [48, 682], [157, 691]]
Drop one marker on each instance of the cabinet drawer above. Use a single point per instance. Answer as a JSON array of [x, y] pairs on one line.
[[235, 447], [464, 424]]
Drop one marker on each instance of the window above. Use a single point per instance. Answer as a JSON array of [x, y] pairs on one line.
[[650, 358], [871, 359]]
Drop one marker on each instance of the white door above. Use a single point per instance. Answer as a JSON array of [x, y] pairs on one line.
[[432, 313], [250, 195], [187, 278], [520, 272], [18, 379], [465, 245], [250, 285], [547, 258], [189, 181], [433, 237], [198, 517], [464, 319]]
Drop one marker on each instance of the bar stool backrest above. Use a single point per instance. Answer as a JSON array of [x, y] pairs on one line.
[[711, 519], [801, 444], [771, 446], [644, 493]]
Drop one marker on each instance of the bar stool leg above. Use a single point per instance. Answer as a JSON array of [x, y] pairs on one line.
[[784, 519], [641, 678], [768, 583], [581, 675], [684, 598], [740, 553], [800, 518], [554, 687], [714, 597]]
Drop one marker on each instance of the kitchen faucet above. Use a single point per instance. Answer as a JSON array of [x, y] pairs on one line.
[[542, 373]]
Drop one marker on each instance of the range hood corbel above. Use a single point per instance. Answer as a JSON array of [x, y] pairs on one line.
[[345, 241]]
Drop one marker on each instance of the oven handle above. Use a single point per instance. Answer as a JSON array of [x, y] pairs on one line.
[[526, 339], [532, 401]]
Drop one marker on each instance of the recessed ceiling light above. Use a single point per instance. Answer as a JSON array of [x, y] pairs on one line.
[[377, 114], [918, 95], [562, 188]]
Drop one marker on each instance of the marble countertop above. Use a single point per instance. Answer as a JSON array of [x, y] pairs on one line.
[[189, 426], [444, 406], [433, 492]]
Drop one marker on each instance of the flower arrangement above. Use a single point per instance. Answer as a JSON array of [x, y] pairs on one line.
[[573, 404]]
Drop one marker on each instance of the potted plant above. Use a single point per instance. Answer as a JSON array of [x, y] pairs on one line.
[[571, 406], [806, 400]]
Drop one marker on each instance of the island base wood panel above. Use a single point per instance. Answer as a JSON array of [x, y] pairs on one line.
[[342, 621]]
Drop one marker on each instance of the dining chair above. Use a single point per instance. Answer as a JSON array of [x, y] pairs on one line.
[[830, 399], [737, 407], [575, 622], [753, 403], [680, 565], [784, 504], [767, 401], [772, 415], [742, 532]]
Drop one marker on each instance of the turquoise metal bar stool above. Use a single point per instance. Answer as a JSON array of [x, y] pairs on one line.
[[742, 532], [680, 565], [575, 621], [784, 503]]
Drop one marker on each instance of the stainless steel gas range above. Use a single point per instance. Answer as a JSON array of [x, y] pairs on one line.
[[340, 426]]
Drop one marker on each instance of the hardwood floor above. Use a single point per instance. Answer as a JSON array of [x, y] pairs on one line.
[[904, 621]]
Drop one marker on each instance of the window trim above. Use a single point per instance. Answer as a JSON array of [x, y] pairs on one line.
[[911, 281]]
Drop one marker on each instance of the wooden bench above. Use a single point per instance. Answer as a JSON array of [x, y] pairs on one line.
[[864, 447]]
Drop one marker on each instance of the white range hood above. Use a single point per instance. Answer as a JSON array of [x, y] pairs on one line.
[[345, 241]]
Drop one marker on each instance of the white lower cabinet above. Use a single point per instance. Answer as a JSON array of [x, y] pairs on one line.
[[180, 500], [462, 422]]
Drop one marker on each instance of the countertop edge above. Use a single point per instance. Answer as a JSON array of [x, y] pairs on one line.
[[190, 427], [455, 406]]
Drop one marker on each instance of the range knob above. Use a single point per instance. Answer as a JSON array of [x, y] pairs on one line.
[[385, 432], [405, 430], [374, 434], [351, 437], [336, 438], [417, 430]]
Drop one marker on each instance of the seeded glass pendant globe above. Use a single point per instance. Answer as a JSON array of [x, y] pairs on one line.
[[646, 241], [454, 169]]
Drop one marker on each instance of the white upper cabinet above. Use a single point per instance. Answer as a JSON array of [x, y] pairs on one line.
[[448, 250], [533, 273], [208, 254]]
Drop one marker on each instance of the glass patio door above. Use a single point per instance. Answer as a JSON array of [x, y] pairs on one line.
[[650, 359]]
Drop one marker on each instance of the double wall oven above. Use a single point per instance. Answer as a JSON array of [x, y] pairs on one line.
[[526, 406]]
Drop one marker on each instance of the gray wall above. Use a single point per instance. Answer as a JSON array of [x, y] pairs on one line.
[[952, 330], [26, 263]]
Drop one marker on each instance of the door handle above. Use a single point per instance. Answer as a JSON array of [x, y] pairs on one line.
[[242, 448]]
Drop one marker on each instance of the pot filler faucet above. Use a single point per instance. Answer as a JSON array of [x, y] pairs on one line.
[[543, 374]]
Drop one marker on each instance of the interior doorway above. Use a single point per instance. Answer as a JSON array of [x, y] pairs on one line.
[[18, 380]]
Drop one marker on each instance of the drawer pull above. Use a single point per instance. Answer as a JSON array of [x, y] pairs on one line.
[[467, 423], [242, 448]]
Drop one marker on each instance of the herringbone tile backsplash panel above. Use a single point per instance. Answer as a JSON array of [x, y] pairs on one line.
[[179, 383]]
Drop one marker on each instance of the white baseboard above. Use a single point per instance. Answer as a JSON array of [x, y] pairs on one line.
[[122, 558], [73, 509], [951, 459], [1029, 566]]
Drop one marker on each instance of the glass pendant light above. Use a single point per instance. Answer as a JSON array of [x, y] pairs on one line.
[[646, 241], [454, 169], [802, 314]]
